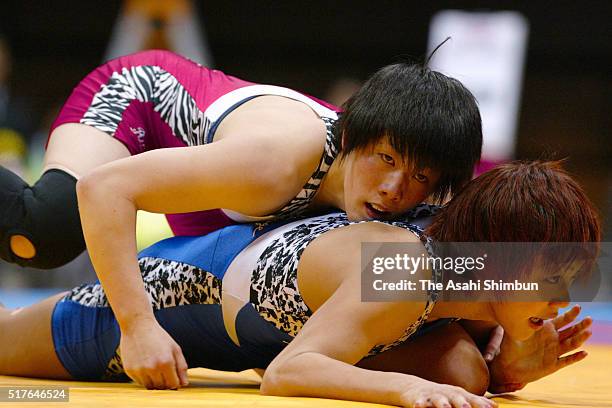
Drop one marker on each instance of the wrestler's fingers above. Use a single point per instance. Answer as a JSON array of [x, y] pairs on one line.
[[577, 328], [563, 362], [574, 342], [170, 379], [148, 384], [492, 349], [169, 375], [181, 367], [156, 380], [567, 317], [459, 401], [145, 381], [440, 401]]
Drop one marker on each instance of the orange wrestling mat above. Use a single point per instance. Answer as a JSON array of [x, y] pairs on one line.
[[585, 385]]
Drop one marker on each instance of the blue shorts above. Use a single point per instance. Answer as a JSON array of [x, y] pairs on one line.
[[86, 334]]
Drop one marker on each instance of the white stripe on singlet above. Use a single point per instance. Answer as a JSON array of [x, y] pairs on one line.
[[225, 102], [216, 109]]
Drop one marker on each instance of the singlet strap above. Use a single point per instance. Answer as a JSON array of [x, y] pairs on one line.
[[300, 203]]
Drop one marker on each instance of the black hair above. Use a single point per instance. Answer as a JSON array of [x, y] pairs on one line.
[[432, 120]]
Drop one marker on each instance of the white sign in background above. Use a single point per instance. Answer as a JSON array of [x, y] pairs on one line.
[[486, 53]]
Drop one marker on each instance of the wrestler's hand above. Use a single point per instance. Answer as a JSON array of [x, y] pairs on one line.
[[425, 393], [521, 362], [151, 357]]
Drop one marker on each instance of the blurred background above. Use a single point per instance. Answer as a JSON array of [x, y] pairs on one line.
[[554, 100]]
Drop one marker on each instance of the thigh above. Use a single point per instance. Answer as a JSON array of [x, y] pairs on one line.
[[26, 342], [445, 355], [77, 149]]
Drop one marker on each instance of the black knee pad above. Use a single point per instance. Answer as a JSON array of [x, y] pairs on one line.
[[47, 214]]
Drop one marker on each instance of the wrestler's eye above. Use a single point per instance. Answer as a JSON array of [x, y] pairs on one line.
[[421, 178], [387, 158], [553, 279]]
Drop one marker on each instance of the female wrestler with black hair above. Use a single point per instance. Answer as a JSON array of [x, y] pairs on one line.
[[407, 133]]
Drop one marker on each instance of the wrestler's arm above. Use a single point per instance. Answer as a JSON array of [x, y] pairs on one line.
[[253, 175], [319, 362]]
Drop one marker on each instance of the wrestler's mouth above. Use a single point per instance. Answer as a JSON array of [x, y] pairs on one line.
[[536, 323], [377, 211]]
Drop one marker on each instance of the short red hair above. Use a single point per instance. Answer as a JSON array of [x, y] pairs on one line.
[[531, 201], [528, 201]]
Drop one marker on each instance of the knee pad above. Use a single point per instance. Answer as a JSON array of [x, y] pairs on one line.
[[46, 214]]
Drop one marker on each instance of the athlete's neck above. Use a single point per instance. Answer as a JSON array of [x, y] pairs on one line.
[[331, 190]]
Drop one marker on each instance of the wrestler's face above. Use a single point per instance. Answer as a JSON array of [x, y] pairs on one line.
[[380, 184], [521, 320]]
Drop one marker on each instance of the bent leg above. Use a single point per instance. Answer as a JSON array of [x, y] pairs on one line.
[[40, 225], [26, 342], [445, 355]]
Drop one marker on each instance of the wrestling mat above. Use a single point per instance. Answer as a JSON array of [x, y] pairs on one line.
[[587, 384]]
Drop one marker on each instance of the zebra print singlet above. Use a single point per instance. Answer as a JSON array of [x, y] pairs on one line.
[[158, 99]]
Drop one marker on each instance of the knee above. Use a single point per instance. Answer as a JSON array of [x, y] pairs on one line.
[[40, 225], [466, 368]]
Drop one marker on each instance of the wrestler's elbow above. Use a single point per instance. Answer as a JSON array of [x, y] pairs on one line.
[[100, 184], [273, 383], [281, 378], [269, 383], [85, 190]]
